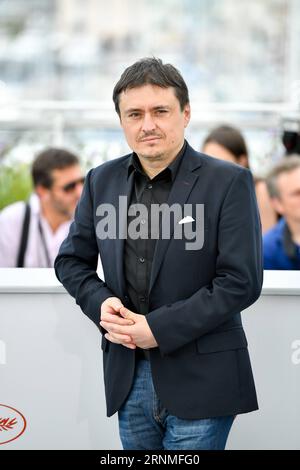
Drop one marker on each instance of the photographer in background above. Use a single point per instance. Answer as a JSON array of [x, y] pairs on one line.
[[32, 232]]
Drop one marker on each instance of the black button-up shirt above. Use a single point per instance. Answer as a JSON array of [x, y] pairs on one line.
[[139, 252]]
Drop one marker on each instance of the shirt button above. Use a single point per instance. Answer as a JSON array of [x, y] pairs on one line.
[[142, 260], [143, 221], [149, 186], [143, 299]]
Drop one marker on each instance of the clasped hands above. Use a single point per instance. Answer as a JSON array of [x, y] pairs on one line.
[[124, 326]]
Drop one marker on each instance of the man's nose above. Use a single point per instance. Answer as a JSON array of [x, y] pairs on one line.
[[148, 124]]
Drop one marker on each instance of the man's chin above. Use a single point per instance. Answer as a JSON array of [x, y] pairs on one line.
[[150, 149], [151, 153], [68, 214], [153, 158]]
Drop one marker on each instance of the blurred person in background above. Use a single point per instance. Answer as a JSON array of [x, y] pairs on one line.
[[282, 242], [227, 143], [32, 232]]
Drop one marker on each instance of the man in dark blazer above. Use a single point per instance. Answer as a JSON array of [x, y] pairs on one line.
[[175, 357]]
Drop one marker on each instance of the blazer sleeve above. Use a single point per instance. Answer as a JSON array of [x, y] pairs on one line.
[[238, 279], [76, 263]]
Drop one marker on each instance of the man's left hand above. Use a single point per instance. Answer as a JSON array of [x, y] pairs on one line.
[[140, 331]]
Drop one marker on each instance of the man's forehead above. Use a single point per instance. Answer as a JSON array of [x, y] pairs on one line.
[[65, 173], [156, 94], [288, 179]]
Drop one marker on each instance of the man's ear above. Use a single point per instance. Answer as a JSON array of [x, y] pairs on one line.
[[277, 205], [41, 191], [243, 161], [187, 114]]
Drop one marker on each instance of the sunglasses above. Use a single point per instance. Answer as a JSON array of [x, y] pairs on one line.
[[69, 187]]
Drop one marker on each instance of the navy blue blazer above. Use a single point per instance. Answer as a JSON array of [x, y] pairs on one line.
[[201, 367]]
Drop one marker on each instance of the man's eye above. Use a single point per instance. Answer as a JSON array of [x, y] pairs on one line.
[[161, 111], [133, 115]]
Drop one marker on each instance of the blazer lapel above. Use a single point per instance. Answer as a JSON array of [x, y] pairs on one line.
[[181, 189], [125, 186]]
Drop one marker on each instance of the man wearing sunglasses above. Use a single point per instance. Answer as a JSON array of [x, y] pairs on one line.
[[31, 233]]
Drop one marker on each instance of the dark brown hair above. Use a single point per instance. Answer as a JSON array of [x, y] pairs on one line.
[[151, 71], [49, 160], [230, 138]]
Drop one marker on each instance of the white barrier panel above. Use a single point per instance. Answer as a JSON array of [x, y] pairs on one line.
[[51, 382]]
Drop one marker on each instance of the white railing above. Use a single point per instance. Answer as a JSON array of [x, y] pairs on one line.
[[102, 114]]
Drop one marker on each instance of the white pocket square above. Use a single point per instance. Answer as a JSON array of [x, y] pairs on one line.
[[186, 219]]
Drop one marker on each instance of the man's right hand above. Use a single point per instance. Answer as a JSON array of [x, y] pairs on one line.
[[110, 309]]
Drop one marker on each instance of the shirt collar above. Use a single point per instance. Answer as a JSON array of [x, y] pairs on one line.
[[135, 164], [34, 202]]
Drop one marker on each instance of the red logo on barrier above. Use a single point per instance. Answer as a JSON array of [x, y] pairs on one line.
[[12, 424]]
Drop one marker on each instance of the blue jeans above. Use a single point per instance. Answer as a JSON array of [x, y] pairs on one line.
[[145, 424]]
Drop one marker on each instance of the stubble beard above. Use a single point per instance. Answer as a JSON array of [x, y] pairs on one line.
[[159, 157]]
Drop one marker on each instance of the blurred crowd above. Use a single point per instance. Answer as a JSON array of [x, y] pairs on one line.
[[278, 195], [32, 231]]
